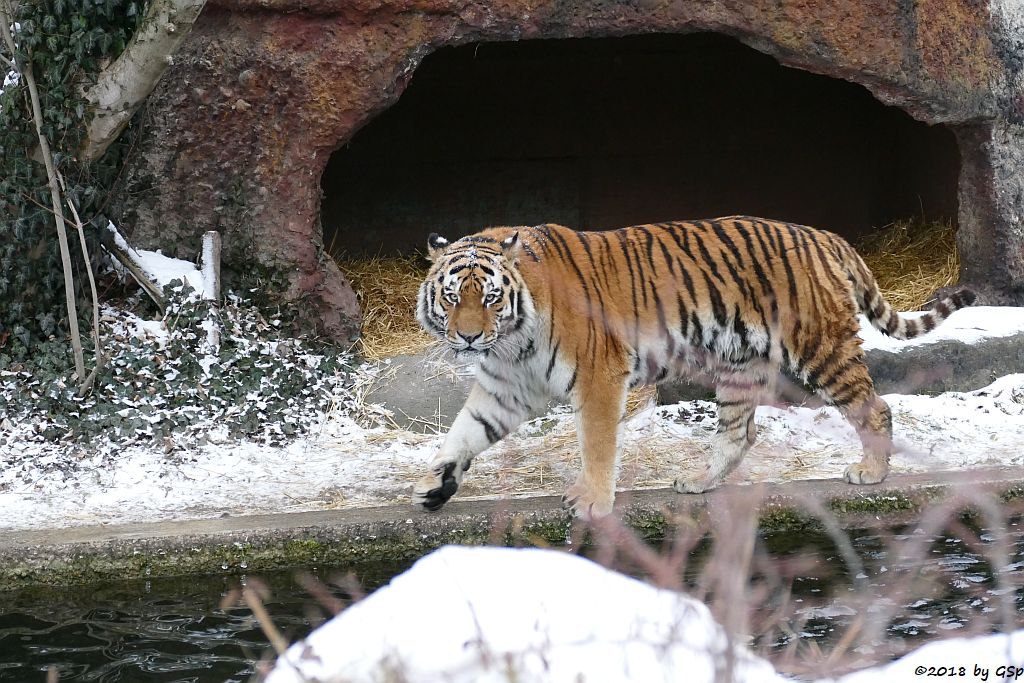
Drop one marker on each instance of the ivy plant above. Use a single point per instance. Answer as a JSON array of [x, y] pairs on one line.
[[66, 43]]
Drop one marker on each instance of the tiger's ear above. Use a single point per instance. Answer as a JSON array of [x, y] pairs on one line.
[[436, 246], [510, 247]]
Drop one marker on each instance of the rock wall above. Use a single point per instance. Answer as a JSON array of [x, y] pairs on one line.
[[263, 91]]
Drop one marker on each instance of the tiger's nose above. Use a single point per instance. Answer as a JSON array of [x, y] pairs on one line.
[[470, 338]]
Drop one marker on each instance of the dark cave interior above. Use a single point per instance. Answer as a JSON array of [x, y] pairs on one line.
[[604, 133]]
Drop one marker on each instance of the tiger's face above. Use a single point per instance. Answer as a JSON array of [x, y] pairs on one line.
[[473, 295]]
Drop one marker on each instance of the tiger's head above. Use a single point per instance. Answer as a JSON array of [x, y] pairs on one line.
[[474, 296]]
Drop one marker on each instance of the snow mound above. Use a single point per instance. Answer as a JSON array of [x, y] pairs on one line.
[[490, 615], [500, 614], [495, 615]]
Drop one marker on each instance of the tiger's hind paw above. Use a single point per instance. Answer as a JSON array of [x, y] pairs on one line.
[[434, 490], [693, 485], [865, 473]]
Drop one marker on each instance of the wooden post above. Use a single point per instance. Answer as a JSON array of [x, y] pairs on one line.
[[211, 287]]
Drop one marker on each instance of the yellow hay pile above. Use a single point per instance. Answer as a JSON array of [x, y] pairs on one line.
[[911, 260], [386, 287]]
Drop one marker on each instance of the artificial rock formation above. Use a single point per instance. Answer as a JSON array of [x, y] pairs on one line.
[[240, 129]]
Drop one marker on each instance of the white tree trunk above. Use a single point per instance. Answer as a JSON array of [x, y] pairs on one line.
[[124, 85]]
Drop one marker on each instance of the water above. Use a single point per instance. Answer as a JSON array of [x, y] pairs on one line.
[[174, 630], [159, 630], [949, 587]]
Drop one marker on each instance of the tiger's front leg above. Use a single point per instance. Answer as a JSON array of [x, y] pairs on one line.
[[485, 418], [599, 410]]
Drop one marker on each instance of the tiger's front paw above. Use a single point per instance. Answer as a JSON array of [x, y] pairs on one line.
[[586, 503], [434, 490]]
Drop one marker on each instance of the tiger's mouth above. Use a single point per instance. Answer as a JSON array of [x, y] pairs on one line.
[[476, 347]]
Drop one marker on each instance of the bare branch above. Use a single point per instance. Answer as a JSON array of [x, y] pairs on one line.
[[252, 599], [122, 87], [85, 383]]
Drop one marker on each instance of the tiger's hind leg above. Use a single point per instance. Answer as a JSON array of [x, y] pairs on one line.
[[846, 384], [872, 418], [737, 401]]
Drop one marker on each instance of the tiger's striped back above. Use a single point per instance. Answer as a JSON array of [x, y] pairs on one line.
[[726, 291]]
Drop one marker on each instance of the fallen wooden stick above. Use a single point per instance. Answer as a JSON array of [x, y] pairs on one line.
[[108, 242]]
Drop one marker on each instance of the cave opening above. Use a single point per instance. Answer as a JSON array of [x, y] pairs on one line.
[[607, 132]]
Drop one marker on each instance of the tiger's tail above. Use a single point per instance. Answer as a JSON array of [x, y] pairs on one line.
[[883, 316]]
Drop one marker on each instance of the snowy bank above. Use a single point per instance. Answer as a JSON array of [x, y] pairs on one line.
[[341, 462]]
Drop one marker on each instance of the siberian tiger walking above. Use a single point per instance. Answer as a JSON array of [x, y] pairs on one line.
[[583, 316]]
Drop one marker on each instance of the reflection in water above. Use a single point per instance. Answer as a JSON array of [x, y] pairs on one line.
[[174, 630]]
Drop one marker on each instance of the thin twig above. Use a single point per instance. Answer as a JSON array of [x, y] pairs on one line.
[[251, 599], [86, 382], [319, 590]]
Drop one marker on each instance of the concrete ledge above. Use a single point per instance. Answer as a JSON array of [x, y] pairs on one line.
[[402, 533], [946, 365]]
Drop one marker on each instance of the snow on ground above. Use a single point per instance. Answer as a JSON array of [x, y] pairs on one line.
[[343, 463], [996, 658], [544, 624]]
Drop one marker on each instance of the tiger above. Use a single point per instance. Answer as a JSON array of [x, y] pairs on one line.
[[548, 312]]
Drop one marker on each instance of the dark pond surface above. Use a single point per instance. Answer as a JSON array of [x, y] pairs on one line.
[[947, 589], [174, 630], [158, 630]]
